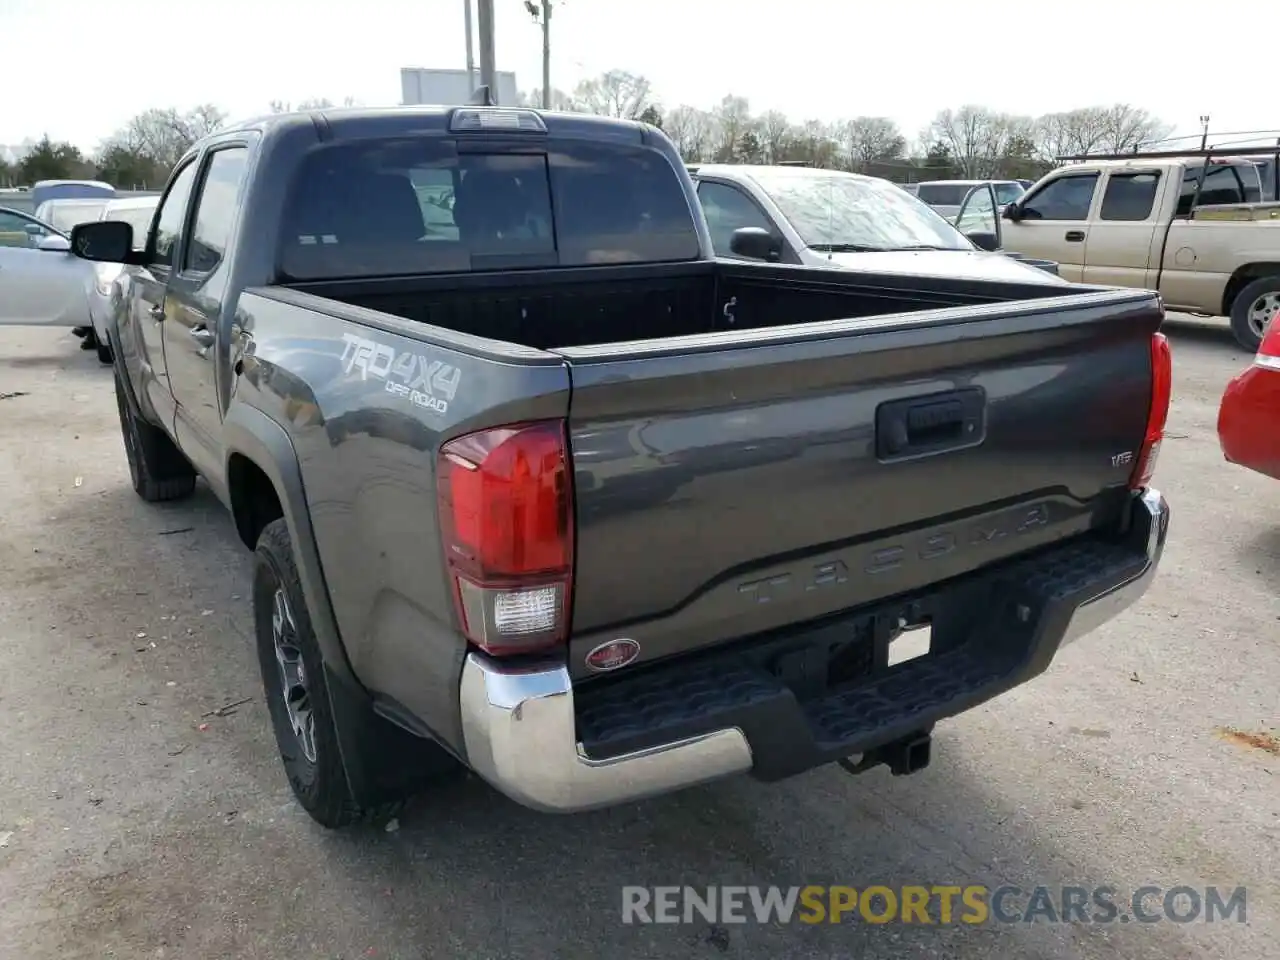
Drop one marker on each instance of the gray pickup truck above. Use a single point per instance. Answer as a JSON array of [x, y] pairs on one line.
[[539, 487]]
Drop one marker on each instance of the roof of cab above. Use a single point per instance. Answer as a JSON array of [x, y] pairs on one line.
[[343, 122]]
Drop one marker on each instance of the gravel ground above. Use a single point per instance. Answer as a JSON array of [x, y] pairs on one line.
[[135, 823]]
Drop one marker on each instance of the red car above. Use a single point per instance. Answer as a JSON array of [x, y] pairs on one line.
[[1249, 418]]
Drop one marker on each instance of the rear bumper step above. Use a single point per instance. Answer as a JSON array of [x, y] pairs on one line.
[[688, 722]]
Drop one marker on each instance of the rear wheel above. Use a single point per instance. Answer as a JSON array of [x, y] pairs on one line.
[[157, 467], [314, 724], [1254, 310], [294, 682]]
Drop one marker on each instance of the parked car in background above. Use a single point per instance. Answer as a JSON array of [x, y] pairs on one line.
[[946, 196], [1249, 418], [41, 283], [138, 213], [1187, 226], [829, 218], [45, 190], [65, 214]]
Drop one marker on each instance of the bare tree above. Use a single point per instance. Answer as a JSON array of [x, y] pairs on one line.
[[1071, 132], [312, 103], [615, 94], [564, 102], [979, 140], [774, 132], [814, 142], [868, 139], [162, 136], [1114, 129], [203, 120], [1129, 128], [732, 120], [691, 130]]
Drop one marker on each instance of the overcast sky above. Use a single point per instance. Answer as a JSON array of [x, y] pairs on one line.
[[77, 69]]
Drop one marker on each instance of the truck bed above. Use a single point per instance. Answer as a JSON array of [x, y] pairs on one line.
[[732, 430], [551, 309]]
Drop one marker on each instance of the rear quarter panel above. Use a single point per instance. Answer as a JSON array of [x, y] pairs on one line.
[[1201, 255], [368, 400]]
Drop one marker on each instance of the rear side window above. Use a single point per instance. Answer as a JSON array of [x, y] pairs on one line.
[[1129, 196], [1223, 183], [412, 206]]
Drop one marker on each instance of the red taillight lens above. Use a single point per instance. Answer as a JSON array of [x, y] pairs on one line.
[[506, 519], [1161, 394]]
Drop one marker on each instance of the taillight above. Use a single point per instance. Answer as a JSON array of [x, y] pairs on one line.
[[505, 498], [1269, 350], [1158, 414]]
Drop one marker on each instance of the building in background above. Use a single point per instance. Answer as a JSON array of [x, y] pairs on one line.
[[419, 86]]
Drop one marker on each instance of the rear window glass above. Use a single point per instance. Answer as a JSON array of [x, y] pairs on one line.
[[412, 206]]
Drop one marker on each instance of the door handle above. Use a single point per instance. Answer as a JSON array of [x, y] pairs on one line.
[[156, 312], [202, 335], [1075, 236]]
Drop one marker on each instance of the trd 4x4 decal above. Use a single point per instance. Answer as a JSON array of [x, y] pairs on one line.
[[430, 384]]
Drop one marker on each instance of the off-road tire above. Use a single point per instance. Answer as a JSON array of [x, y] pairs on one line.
[[1241, 328], [157, 467], [320, 785]]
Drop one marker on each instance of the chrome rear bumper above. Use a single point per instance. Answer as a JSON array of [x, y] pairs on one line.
[[521, 734]]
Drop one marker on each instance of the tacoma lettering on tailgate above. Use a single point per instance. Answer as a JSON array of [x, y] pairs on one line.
[[835, 572], [426, 383]]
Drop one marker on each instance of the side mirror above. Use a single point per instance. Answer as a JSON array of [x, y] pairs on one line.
[[984, 240], [33, 229], [756, 243], [54, 242], [103, 241], [1011, 212]]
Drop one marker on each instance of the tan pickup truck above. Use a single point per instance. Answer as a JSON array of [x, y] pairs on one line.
[[1172, 225]]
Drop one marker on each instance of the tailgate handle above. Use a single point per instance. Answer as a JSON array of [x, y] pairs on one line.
[[934, 424]]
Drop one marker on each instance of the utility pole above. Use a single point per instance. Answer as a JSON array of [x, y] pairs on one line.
[[471, 60], [541, 13], [488, 71]]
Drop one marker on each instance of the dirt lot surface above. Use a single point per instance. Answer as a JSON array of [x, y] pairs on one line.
[[134, 822]]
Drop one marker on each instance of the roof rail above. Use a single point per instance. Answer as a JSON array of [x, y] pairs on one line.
[[794, 163], [1176, 154]]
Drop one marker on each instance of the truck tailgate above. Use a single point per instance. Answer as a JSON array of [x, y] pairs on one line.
[[736, 483]]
